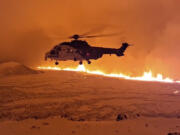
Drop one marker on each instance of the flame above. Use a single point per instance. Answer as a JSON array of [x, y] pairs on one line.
[[147, 76]]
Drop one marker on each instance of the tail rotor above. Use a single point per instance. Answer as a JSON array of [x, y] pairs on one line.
[[122, 49]]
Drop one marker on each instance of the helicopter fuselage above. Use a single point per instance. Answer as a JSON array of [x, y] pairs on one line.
[[79, 50]]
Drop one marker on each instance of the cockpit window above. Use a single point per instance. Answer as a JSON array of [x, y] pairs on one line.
[[52, 52], [57, 47]]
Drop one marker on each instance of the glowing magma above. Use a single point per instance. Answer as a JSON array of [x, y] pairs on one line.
[[147, 76]]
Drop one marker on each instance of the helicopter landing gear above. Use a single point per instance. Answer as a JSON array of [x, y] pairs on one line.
[[80, 63], [89, 62], [75, 59], [56, 63]]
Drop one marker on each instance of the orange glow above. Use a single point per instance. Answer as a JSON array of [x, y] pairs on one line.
[[147, 76]]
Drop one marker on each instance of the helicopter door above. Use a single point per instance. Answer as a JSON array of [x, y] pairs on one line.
[[67, 53]]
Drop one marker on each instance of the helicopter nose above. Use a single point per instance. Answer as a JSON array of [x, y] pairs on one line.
[[47, 55]]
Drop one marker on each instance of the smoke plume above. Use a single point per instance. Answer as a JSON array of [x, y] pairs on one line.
[[30, 28]]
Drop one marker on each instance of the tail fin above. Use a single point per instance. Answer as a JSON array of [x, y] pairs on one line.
[[122, 49]]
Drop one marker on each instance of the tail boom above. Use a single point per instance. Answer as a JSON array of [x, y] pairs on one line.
[[123, 48]]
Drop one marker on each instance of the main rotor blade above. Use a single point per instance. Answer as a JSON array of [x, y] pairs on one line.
[[93, 31], [103, 35]]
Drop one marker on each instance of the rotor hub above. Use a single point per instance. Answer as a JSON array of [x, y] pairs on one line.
[[76, 37]]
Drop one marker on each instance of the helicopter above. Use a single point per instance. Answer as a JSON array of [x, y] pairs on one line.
[[80, 50]]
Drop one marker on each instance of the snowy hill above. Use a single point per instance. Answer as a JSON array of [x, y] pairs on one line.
[[14, 68]]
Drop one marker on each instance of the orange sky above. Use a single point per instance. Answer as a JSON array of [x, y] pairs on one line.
[[30, 28]]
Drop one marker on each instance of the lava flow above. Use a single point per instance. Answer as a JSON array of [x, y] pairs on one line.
[[147, 76]]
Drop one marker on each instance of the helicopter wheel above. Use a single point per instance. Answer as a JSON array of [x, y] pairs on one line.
[[80, 62], [89, 62], [75, 59], [56, 63]]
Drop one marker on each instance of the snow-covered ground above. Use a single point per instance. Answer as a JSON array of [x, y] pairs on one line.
[[63, 102]]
